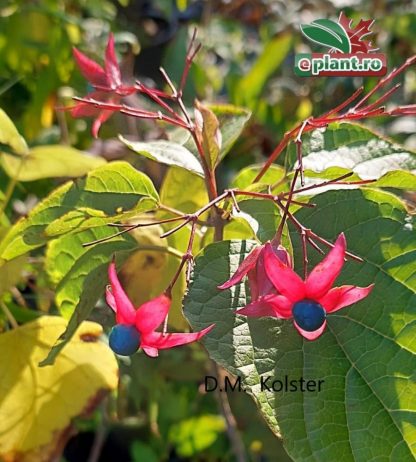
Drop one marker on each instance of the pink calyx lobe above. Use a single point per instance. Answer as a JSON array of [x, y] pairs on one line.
[[108, 86], [262, 290]]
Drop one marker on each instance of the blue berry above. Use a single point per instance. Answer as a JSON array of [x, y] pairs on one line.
[[124, 340], [309, 315]]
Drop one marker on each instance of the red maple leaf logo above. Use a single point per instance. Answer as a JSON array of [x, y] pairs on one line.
[[356, 34]]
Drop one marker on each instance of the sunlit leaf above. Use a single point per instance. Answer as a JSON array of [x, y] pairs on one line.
[[10, 136], [79, 272], [274, 177], [193, 435], [173, 192], [50, 162], [365, 357], [38, 404], [346, 147], [112, 192], [11, 273], [166, 152], [232, 120]]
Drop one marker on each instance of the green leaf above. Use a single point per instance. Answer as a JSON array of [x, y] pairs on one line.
[[328, 33], [50, 162], [251, 86], [112, 192], [258, 219], [265, 213], [191, 436], [188, 200], [81, 276], [232, 120], [10, 136], [274, 176], [209, 134], [345, 147], [11, 273], [183, 191], [166, 152], [69, 265], [141, 451], [23, 314], [150, 269], [366, 357]]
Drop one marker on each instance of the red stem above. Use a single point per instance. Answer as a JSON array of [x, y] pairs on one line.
[[279, 231], [155, 97], [382, 98], [276, 153], [343, 105], [371, 110], [187, 257], [386, 80]]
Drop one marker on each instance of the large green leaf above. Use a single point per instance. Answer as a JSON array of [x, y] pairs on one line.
[[166, 152], [366, 358], [113, 192], [69, 264], [81, 275], [345, 147], [49, 162]]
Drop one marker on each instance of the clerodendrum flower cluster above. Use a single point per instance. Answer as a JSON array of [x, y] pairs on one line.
[[275, 289]]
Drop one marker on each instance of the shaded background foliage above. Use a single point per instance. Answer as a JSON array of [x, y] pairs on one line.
[[162, 413]]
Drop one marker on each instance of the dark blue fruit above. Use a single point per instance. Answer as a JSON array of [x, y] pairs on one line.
[[309, 315], [124, 340]]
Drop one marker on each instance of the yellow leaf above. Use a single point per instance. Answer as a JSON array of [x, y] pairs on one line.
[[147, 273], [187, 199], [11, 273], [144, 270], [10, 136], [37, 404], [50, 161]]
